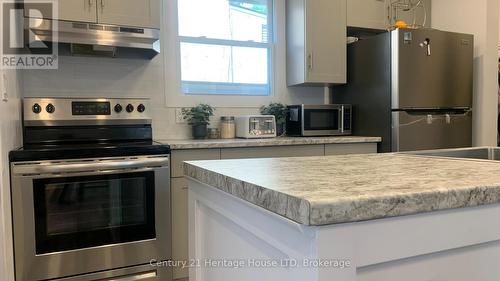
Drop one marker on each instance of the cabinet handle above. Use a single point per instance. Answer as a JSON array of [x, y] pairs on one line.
[[310, 60], [89, 2], [102, 5]]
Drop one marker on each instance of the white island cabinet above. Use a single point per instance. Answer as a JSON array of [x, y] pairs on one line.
[[369, 217], [186, 150]]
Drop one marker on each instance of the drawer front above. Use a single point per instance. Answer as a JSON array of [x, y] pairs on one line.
[[179, 156], [273, 151], [350, 148]]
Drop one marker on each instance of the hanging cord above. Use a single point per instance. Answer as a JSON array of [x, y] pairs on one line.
[[413, 9]]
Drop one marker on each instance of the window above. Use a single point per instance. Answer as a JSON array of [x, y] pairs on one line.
[[225, 47]]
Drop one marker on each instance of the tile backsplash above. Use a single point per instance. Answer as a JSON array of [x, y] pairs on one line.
[[122, 78]]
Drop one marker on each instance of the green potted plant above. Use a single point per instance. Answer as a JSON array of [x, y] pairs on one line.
[[199, 118], [278, 110]]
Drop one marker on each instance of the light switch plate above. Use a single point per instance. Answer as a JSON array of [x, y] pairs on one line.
[[179, 117], [3, 90]]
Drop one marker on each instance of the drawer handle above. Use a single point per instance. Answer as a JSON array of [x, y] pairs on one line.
[[140, 276]]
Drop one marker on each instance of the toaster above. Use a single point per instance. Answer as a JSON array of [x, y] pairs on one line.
[[256, 126]]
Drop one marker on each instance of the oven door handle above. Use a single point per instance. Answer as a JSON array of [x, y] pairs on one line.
[[92, 166]]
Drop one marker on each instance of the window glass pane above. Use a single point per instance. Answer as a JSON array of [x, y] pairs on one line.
[[224, 64], [250, 65], [241, 20]]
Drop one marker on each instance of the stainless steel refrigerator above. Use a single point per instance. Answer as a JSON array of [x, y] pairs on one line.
[[411, 87]]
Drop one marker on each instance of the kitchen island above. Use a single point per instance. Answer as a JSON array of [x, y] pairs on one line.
[[357, 217]]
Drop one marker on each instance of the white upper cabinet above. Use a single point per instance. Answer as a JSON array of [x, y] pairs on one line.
[[70, 10], [133, 13], [316, 42], [78, 10], [372, 14], [143, 13]]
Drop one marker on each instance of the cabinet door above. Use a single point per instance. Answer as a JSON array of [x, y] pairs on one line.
[[367, 14], [326, 48], [144, 13], [179, 225], [78, 10], [348, 148], [74, 10]]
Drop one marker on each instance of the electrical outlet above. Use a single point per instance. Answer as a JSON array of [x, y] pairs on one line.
[[179, 117]]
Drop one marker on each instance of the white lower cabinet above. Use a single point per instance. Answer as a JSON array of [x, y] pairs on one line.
[[179, 225], [273, 151], [350, 148], [179, 184]]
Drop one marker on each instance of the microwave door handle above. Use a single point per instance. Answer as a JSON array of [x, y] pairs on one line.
[[93, 166]]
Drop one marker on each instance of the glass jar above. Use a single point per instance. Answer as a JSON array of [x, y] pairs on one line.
[[213, 133], [227, 127]]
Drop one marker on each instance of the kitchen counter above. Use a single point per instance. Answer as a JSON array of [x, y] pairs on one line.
[[332, 190], [279, 141], [357, 217]]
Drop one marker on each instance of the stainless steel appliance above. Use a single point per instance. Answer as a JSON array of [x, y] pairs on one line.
[[411, 87], [319, 120], [84, 38], [256, 126], [90, 192]]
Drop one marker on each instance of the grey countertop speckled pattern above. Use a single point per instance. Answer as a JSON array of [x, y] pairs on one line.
[[280, 141], [340, 189]]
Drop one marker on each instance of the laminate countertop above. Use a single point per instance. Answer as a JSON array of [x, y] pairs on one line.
[[279, 141], [351, 188]]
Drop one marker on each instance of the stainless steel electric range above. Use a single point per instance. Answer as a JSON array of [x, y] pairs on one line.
[[90, 192]]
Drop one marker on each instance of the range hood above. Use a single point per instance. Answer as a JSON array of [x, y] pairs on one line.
[[92, 39]]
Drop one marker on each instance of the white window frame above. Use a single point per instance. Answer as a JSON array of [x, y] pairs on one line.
[[233, 89], [171, 48]]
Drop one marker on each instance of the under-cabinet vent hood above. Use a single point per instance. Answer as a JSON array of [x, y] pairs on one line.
[[100, 39]]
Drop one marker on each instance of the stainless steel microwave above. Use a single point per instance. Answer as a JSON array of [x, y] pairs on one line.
[[319, 120]]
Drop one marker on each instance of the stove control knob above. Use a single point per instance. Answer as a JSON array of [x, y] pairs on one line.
[[50, 108], [130, 108], [141, 108], [36, 108], [118, 108]]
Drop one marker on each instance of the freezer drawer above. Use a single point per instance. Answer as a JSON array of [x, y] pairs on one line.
[[418, 131]]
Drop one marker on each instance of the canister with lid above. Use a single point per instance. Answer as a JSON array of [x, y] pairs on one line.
[[227, 127]]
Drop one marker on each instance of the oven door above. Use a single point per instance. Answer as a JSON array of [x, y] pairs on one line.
[[77, 217], [322, 120]]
